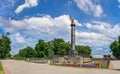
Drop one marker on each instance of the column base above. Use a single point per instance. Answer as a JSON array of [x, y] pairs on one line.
[[73, 52]]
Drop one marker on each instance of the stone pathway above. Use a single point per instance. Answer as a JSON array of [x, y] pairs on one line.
[[115, 65], [5, 68], [21, 67]]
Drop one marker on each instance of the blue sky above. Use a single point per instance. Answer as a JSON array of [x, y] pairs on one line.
[[97, 22]]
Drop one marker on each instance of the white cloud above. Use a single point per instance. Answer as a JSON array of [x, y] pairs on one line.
[[98, 11], [100, 49], [119, 3], [27, 31], [27, 4], [12, 25], [88, 25], [89, 7], [93, 39], [20, 41], [105, 28], [98, 35], [43, 24], [17, 38], [88, 36]]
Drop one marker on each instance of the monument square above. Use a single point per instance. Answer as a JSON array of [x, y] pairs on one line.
[[73, 57]]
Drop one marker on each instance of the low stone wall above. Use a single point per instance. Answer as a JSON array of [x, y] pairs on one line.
[[38, 60], [70, 60]]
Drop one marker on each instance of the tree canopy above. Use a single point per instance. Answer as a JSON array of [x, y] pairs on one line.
[[5, 47], [60, 46], [83, 50], [48, 49], [41, 48], [115, 48], [27, 52]]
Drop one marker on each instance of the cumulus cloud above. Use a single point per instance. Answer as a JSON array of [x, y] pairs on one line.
[[26, 32], [105, 28], [119, 3], [93, 39], [89, 7], [88, 25], [101, 34], [18, 39], [27, 4], [89, 36], [98, 11], [43, 24], [29, 30]]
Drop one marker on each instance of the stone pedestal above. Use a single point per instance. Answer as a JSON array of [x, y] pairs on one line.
[[71, 59], [73, 53]]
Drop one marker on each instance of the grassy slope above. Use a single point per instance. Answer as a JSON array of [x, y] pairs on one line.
[[1, 69]]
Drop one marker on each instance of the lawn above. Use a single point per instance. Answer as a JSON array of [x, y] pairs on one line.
[[1, 69]]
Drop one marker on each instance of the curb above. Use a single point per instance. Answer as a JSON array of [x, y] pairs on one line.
[[6, 70]]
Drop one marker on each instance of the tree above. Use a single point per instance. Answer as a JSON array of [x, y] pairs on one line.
[[87, 50], [115, 48], [5, 47], [50, 53], [50, 50], [0, 40], [56, 43], [63, 48], [41, 49], [30, 53], [83, 50], [27, 52], [22, 53], [54, 47]]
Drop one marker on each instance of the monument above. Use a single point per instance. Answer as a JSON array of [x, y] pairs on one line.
[[73, 57], [72, 51]]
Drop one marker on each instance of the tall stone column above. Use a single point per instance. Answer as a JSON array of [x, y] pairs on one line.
[[72, 51], [73, 36]]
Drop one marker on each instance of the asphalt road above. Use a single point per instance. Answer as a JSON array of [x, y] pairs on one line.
[[21, 67]]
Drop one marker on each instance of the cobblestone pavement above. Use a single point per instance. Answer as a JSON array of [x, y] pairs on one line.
[[22, 67]]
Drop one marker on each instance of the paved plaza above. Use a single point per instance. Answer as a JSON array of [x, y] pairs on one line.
[[22, 67]]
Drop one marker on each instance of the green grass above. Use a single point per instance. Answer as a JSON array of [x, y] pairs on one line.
[[24, 59], [104, 65], [1, 69]]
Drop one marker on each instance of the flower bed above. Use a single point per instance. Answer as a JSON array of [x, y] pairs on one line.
[[97, 64], [90, 65]]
